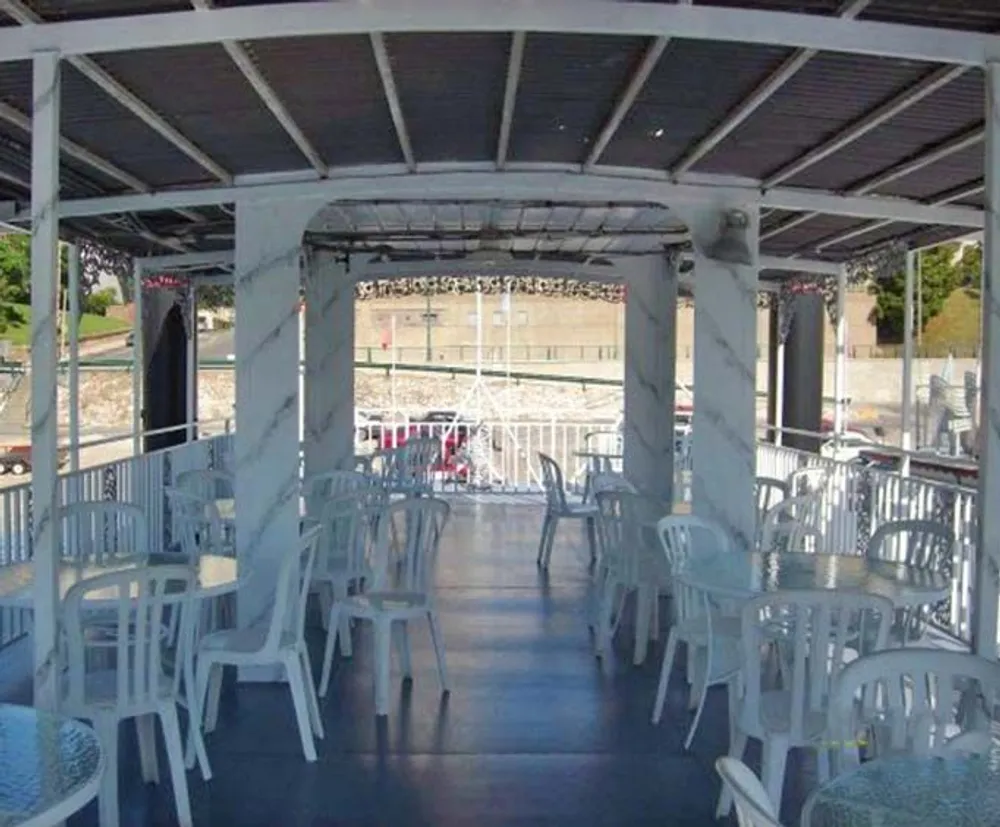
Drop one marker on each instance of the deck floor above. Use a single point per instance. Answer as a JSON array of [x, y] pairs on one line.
[[534, 732]]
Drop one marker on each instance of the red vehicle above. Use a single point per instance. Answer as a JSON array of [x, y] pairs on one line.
[[17, 459], [453, 431]]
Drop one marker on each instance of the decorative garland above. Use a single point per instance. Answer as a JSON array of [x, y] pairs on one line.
[[491, 286]]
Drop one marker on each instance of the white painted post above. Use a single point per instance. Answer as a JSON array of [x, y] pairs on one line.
[[74, 359], [840, 363], [191, 391], [986, 593], [137, 356], [906, 435], [44, 368]]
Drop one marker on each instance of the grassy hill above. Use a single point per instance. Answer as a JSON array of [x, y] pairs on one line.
[[19, 333], [956, 326]]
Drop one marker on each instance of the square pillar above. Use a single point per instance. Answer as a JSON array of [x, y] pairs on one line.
[[267, 277], [43, 524], [650, 363], [724, 450], [329, 370], [987, 577]]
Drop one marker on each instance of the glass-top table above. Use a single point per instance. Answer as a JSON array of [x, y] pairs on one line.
[[50, 767], [739, 575], [911, 791]]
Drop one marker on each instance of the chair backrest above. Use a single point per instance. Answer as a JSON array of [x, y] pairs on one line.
[[915, 700], [815, 629], [807, 481], [753, 806], [407, 468], [793, 537], [320, 488], [208, 483], [347, 521], [803, 511], [921, 543], [288, 615], [101, 530], [770, 491], [682, 535], [407, 538], [196, 523], [142, 599], [552, 480]]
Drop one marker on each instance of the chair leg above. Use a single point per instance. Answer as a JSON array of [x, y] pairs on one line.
[[175, 758], [772, 768], [215, 675], [592, 538], [654, 614], [643, 610], [296, 683], [145, 730], [107, 802], [344, 627], [331, 641], [551, 542], [383, 664], [544, 539], [325, 594], [666, 667], [737, 746], [605, 616], [702, 695], [403, 649], [310, 685], [438, 640]]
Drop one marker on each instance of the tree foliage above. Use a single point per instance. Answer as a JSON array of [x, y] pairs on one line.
[[943, 270], [97, 261]]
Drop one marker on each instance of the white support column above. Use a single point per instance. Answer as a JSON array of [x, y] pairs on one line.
[[840, 363], [329, 382], [987, 580], [44, 367], [906, 436], [267, 278], [650, 370], [191, 391], [138, 351], [725, 369], [74, 359]]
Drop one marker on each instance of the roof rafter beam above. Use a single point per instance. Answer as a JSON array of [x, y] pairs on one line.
[[901, 170], [791, 66], [19, 119], [514, 63], [683, 21], [926, 86], [950, 197], [384, 65], [244, 62], [636, 82], [117, 91]]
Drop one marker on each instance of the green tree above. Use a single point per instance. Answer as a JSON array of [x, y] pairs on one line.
[[943, 269], [99, 301]]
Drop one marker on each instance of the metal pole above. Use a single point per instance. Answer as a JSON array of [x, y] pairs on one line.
[[44, 526], [191, 391], [510, 312], [920, 298], [137, 357], [73, 289], [986, 583], [428, 355], [479, 350], [392, 373], [906, 437], [840, 363]]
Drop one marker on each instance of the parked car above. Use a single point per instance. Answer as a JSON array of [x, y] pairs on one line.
[[17, 459], [452, 429]]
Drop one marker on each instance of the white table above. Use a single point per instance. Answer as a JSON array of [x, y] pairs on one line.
[[739, 575], [911, 791], [50, 767], [216, 576]]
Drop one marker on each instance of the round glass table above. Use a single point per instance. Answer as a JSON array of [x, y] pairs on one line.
[[50, 767], [911, 791], [739, 575]]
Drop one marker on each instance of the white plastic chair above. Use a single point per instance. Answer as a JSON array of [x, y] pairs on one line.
[[197, 525], [792, 537], [211, 484], [919, 701], [138, 685], [320, 488], [279, 642], [753, 807], [806, 481], [813, 638], [558, 507], [709, 636], [104, 530], [919, 543], [796, 512], [769, 492], [625, 566], [401, 590], [407, 468], [341, 560]]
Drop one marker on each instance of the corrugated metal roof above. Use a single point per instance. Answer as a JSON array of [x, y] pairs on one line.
[[569, 83]]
